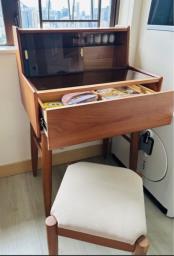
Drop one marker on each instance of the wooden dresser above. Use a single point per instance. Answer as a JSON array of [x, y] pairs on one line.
[[52, 63]]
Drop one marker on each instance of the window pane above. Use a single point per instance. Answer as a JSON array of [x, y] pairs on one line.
[[95, 9], [29, 13], [69, 9], [105, 13], [162, 13], [65, 10], [85, 10], [55, 10], [70, 24], [2, 28]]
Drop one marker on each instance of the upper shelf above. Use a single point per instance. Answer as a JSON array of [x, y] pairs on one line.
[[57, 52]]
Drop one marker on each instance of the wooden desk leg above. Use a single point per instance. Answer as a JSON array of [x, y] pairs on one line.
[[47, 173], [106, 147], [34, 151], [134, 146]]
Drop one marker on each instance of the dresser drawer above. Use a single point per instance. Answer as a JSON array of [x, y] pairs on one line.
[[75, 124]]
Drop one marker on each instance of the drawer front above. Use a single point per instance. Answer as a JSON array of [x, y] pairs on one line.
[[77, 124]]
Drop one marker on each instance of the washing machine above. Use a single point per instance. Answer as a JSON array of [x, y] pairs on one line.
[[157, 167]]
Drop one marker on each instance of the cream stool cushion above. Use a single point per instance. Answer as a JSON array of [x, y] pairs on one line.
[[101, 200]]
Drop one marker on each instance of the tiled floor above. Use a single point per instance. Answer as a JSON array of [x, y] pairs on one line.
[[22, 229]]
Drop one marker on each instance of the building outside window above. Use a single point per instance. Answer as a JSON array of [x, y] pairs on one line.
[[65, 13], [29, 10]]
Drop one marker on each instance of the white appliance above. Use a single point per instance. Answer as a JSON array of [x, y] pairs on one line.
[[157, 168]]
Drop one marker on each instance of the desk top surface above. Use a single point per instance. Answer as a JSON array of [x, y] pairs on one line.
[[87, 78]]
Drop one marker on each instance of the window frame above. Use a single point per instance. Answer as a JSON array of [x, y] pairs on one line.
[[158, 26], [12, 16], [10, 10], [72, 20], [115, 4]]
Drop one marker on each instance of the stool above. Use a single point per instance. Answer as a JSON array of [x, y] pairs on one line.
[[99, 204]]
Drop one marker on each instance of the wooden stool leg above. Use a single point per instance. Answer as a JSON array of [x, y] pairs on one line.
[[142, 246], [52, 238], [34, 151], [47, 173]]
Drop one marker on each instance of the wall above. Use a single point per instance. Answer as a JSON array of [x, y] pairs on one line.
[[129, 15], [149, 49], [155, 50], [14, 139], [14, 126], [152, 51]]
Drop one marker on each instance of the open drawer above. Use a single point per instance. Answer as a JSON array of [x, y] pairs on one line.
[[74, 124], [54, 62]]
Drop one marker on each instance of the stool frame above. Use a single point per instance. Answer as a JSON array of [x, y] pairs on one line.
[[140, 247]]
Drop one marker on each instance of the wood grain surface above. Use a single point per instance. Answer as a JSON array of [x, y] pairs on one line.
[[87, 122]]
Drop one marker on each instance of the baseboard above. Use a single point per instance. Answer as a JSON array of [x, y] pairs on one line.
[[58, 158]]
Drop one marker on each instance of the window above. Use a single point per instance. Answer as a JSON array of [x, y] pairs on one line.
[[66, 13], [70, 13], [11, 17], [161, 15], [2, 28], [29, 10], [105, 13], [55, 14]]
